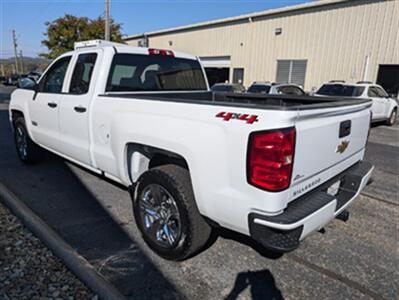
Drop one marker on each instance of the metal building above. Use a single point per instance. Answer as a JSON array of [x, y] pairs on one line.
[[306, 44]]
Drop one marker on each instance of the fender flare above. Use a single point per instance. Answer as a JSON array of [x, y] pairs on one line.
[[140, 158]]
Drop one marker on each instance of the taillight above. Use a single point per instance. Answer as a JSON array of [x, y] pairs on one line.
[[153, 51], [271, 158]]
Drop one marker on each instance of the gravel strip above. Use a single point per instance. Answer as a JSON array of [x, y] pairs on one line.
[[29, 270]]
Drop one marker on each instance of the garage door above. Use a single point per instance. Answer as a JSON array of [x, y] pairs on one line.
[[291, 71], [215, 61], [388, 78], [217, 68]]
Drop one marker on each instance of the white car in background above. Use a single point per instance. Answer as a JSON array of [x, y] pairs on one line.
[[276, 88], [384, 108]]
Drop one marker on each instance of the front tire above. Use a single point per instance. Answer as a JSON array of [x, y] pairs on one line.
[[28, 152], [392, 118], [167, 215]]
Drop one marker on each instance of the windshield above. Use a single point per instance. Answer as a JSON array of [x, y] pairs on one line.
[[222, 88], [341, 90], [135, 72], [259, 88]]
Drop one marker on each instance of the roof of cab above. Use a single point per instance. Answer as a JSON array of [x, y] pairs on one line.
[[349, 83], [123, 48]]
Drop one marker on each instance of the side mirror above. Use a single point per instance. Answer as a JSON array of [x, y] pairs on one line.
[[27, 83]]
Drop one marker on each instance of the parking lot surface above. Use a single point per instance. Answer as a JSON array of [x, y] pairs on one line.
[[357, 259]]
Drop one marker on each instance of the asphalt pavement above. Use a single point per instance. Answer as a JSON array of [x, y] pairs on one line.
[[357, 259]]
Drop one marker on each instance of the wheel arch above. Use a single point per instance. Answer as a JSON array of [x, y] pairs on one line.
[[140, 158], [394, 107], [15, 113]]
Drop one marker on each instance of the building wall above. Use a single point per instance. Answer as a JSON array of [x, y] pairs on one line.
[[335, 39]]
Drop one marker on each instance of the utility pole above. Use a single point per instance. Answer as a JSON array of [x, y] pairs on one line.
[[107, 22], [21, 57], [14, 40]]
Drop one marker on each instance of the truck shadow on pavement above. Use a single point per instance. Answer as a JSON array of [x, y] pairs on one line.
[[61, 199]]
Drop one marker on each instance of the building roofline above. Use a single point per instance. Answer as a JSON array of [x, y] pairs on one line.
[[237, 18]]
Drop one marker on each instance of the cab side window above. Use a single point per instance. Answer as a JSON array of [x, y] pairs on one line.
[[82, 73], [53, 79]]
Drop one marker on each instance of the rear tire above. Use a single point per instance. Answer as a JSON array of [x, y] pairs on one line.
[[167, 215], [392, 118], [28, 152]]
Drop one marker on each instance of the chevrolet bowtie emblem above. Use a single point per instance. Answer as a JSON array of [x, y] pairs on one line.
[[342, 147]]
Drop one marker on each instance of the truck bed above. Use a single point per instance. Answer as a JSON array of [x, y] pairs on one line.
[[277, 102]]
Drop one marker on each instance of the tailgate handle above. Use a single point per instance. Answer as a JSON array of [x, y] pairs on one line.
[[345, 128]]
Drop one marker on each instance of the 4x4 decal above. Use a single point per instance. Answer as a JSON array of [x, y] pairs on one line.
[[227, 116]]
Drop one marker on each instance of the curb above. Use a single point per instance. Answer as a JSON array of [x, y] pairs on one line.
[[70, 257]]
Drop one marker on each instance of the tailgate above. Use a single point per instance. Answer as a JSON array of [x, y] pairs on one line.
[[326, 138]]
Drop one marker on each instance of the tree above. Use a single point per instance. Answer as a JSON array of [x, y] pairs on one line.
[[63, 32]]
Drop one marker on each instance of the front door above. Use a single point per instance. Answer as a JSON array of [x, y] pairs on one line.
[[75, 108], [44, 106]]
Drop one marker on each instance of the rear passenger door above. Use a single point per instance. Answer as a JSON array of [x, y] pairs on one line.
[[74, 114]]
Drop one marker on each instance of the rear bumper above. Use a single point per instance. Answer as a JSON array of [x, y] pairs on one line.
[[310, 212]]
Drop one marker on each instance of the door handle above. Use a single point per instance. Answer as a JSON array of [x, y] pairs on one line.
[[52, 104], [80, 109]]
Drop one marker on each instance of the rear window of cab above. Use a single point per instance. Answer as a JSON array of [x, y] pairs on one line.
[[137, 72]]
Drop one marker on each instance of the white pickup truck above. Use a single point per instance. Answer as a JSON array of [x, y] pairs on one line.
[[274, 167]]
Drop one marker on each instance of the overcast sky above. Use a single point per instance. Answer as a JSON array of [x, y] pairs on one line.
[[27, 17]]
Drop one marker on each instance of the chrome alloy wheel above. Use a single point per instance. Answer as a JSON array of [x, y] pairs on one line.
[[22, 142], [160, 215]]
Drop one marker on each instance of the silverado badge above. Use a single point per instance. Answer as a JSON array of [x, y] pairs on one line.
[[342, 147]]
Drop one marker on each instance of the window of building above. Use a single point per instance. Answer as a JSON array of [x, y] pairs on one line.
[[291, 71]]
